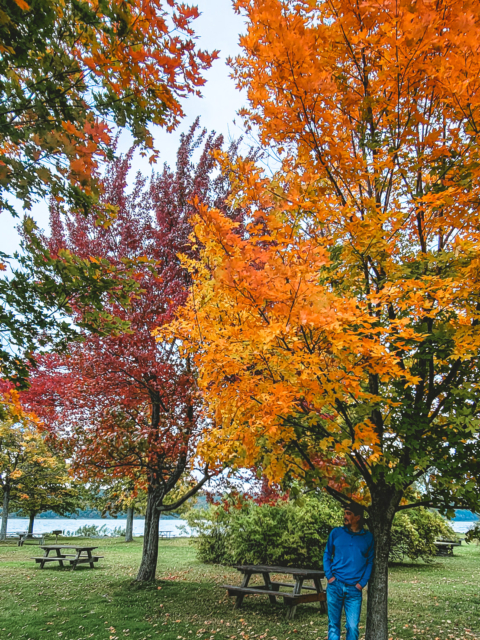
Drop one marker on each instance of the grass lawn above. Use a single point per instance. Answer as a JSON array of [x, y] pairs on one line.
[[441, 600]]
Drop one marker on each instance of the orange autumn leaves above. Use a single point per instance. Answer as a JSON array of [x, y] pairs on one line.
[[359, 255], [264, 324], [75, 73], [150, 58]]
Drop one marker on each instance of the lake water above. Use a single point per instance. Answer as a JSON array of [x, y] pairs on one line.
[[175, 526], [463, 527], [70, 525]]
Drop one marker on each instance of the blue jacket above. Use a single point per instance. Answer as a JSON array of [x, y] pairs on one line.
[[349, 556]]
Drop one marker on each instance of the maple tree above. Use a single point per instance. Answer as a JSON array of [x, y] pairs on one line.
[[21, 446], [38, 296], [343, 322], [72, 69], [126, 405], [45, 485], [72, 74]]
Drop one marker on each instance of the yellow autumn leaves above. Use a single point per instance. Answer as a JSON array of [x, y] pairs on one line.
[[346, 300]]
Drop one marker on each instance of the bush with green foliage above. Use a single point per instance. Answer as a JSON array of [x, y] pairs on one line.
[[90, 531], [292, 533], [414, 533], [473, 533], [286, 533], [211, 526], [94, 531]]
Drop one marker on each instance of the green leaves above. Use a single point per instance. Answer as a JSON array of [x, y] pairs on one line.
[[40, 293], [69, 71], [285, 533]]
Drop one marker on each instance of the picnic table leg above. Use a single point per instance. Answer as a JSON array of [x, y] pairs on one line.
[[268, 584], [240, 596], [318, 584], [59, 555], [45, 555], [89, 553], [75, 560], [296, 592]]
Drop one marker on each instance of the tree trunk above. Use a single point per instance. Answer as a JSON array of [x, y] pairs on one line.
[[129, 527], [6, 501], [148, 566], [382, 511], [30, 523]]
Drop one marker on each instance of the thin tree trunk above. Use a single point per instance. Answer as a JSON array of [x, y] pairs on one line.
[[148, 566], [30, 523], [6, 501], [382, 512], [129, 527]]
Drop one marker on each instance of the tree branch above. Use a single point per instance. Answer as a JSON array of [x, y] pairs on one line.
[[189, 494], [412, 505], [339, 497]]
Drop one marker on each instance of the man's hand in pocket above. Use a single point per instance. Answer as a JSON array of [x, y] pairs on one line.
[[359, 587], [332, 579]]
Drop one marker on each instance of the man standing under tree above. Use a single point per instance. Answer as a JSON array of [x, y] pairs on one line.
[[347, 562]]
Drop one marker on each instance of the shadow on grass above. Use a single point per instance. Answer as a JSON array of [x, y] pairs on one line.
[[198, 602]]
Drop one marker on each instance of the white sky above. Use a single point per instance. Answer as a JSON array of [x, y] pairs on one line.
[[218, 27]]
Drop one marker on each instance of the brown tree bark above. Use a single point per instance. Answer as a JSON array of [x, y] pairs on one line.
[[129, 526], [155, 508], [6, 502], [148, 565], [381, 513], [30, 522]]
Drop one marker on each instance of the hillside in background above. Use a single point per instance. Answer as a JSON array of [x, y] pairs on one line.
[[200, 503]]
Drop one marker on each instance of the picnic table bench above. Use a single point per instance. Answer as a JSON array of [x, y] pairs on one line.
[[31, 538], [272, 588], [445, 547], [15, 535], [23, 537], [83, 555]]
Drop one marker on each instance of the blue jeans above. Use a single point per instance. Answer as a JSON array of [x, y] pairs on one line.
[[341, 595]]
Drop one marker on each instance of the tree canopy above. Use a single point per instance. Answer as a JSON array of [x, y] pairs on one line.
[[343, 324], [70, 71], [126, 405], [73, 73], [22, 449]]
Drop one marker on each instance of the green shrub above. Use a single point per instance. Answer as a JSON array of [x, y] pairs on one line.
[[94, 531], [474, 533], [414, 533], [91, 530], [211, 526], [295, 533], [287, 534]]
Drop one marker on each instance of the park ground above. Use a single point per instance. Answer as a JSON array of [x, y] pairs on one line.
[[427, 602]]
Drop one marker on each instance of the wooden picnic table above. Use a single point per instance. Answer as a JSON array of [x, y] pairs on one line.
[[83, 555], [272, 587], [31, 538], [445, 547]]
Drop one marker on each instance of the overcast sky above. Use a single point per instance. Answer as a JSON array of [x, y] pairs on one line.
[[218, 27]]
